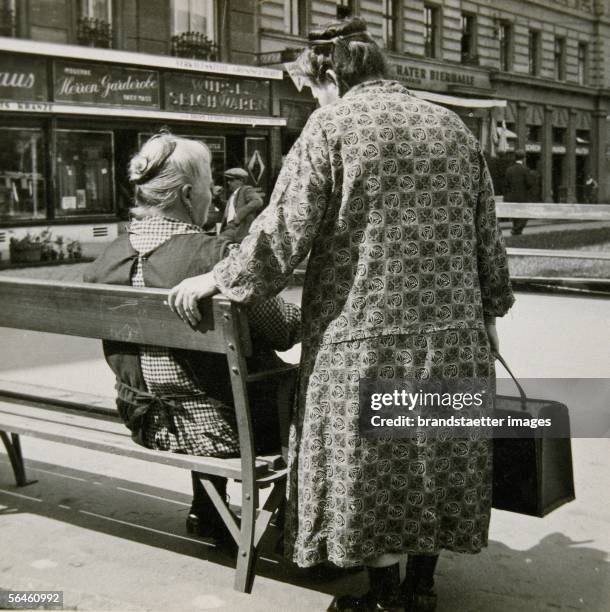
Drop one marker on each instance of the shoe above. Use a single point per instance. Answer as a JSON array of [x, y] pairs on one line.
[[212, 529], [363, 603], [384, 595], [420, 602]]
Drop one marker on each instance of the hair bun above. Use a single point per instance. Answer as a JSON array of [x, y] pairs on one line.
[[355, 25], [138, 168]]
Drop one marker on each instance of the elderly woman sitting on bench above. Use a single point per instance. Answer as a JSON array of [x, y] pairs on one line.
[[175, 400]]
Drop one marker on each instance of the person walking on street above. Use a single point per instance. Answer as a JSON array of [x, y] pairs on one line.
[[518, 187], [242, 207]]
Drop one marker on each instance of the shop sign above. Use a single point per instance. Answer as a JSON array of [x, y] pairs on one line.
[[216, 94], [22, 78], [559, 149], [296, 113], [533, 147], [99, 84], [437, 77], [582, 150]]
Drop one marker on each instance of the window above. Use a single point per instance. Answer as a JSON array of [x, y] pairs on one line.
[[534, 133], [391, 20], [469, 39], [583, 61], [505, 36], [22, 186], [85, 181], [196, 16], [559, 135], [432, 25], [534, 52], [560, 59], [346, 9], [8, 18], [97, 9], [295, 17]]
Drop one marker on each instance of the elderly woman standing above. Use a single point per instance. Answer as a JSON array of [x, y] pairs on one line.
[[391, 196], [177, 400]]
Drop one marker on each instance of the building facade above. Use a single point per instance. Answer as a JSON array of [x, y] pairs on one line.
[[527, 74], [83, 82]]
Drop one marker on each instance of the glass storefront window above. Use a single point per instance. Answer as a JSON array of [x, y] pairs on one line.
[[84, 170], [22, 185]]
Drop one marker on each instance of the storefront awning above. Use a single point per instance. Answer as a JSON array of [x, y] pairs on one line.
[[455, 101]]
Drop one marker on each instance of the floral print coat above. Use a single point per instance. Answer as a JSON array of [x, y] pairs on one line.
[[391, 197]]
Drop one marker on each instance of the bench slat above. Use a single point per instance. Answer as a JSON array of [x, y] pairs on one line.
[[107, 312], [519, 252], [35, 422], [540, 210], [97, 404]]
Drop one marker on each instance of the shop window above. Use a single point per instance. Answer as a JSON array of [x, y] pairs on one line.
[[346, 9], [534, 48], [94, 26], [505, 39], [583, 63], [559, 136], [295, 17], [432, 31], [534, 133], [22, 185], [8, 18], [391, 24], [194, 32], [560, 59], [84, 170], [469, 39]]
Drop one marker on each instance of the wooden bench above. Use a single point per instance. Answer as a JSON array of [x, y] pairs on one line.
[[555, 212], [139, 316]]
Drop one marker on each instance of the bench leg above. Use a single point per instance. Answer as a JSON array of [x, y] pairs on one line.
[[13, 449], [246, 555]]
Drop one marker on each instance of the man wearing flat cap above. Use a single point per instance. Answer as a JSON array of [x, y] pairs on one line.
[[243, 204]]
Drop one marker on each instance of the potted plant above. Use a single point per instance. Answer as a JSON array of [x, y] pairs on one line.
[[75, 249], [27, 249]]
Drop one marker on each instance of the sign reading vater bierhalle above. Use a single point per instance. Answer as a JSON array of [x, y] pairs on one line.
[[101, 84], [216, 94]]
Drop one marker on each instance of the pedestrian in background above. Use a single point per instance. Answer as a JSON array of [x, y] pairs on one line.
[[243, 205], [392, 198], [517, 187]]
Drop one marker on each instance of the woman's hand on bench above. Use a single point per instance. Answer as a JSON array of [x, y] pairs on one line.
[[183, 298]]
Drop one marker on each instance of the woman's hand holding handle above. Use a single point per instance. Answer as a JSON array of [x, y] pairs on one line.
[[492, 334]]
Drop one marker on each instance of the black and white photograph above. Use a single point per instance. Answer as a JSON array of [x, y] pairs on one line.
[[305, 305]]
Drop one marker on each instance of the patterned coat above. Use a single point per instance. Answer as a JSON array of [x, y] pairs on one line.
[[391, 196]]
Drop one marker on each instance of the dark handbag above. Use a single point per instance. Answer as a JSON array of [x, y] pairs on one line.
[[531, 475]]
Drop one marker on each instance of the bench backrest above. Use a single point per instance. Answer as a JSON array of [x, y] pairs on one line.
[[112, 312]]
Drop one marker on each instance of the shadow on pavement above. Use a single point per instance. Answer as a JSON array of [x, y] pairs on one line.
[[143, 514], [558, 573]]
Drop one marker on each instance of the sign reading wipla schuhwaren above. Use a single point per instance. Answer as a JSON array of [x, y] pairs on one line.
[[22, 78], [103, 84], [216, 94]]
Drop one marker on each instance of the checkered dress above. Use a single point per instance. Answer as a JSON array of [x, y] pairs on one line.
[[200, 426]]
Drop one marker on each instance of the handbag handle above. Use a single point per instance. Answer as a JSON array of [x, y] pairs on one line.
[[521, 390]]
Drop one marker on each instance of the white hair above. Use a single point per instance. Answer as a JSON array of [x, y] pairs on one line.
[[161, 167]]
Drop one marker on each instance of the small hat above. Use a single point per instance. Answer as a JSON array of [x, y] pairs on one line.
[[237, 173]]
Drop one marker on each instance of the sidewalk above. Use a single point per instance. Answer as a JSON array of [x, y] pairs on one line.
[[110, 533]]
